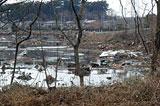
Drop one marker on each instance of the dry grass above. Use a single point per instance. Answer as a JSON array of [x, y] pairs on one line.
[[132, 92], [113, 40]]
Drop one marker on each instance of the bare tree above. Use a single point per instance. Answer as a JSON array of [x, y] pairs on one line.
[[138, 24], [2, 2], [78, 38], [43, 57], [155, 37], [23, 40], [156, 41]]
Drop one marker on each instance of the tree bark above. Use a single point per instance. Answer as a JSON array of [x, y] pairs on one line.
[[76, 59], [156, 42], [77, 68], [78, 71], [15, 62], [25, 39], [81, 80]]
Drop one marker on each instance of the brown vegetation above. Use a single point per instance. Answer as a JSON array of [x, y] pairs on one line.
[[133, 92], [114, 40], [95, 43]]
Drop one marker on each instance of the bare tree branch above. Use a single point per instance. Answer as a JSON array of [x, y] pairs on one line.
[[2, 2], [122, 12], [59, 28], [81, 9], [156, 1], [138, 25], [78, 39], [78, 17], [144, 10], [29, 35]]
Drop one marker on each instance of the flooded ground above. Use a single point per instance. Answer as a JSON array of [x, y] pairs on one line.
[[65, 78], [106, 66], [112, 66]]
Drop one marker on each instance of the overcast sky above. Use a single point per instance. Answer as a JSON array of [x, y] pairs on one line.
[[115, 5], [141, 5]]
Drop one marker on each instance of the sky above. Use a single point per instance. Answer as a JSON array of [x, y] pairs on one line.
[[141, 5], [117, 10]]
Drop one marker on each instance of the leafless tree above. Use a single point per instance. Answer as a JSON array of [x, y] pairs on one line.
[[156, 41], [43, 57], [155, 37], [23, 40], [138, 24], [78, 38]]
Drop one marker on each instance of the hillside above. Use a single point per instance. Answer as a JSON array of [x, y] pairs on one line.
[[26, 10]]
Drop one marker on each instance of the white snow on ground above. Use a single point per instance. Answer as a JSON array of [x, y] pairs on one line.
[[114, 52], [64, 79]]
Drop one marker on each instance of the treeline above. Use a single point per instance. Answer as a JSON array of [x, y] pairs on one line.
[[27, 10]]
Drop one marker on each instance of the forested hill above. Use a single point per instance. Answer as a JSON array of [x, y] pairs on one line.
[[93, 10]]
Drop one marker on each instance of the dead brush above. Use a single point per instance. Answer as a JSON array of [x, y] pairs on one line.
[[131, 92]]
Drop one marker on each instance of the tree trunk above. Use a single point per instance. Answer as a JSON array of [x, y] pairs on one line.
[[15, 63], [77, 68], [156, 42], [154, 61], [76, 60], [81, 80]]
